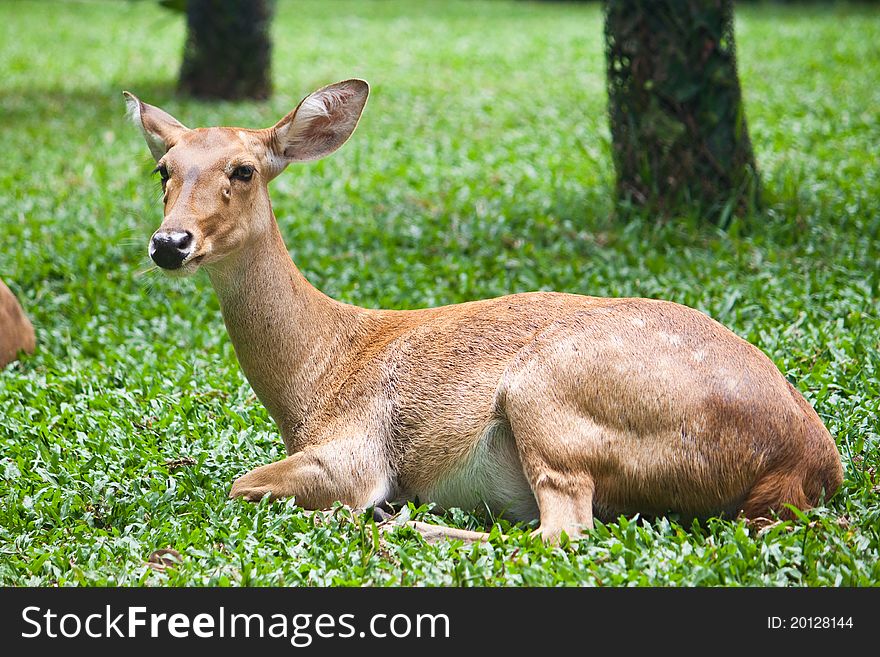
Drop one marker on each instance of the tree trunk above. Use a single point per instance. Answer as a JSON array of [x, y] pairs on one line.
[[678, 127], [228, 49]]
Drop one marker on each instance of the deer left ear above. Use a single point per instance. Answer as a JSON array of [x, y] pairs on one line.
[[320, 124], [161, 130]]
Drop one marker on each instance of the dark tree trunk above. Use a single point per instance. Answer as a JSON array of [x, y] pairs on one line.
[[678, 127], [228, 49]]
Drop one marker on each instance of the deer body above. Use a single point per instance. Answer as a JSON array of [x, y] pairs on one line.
[[16, 330], [537, 405]]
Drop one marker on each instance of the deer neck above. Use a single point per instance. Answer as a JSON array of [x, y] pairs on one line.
[[285, 332]]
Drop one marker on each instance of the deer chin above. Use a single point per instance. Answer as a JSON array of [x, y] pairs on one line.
[[189, 267]]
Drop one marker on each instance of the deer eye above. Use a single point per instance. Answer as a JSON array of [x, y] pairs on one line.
[[244, 172], [162, 170]]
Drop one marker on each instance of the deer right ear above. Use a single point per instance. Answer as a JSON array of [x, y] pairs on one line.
[[320, 124], [161, 130]]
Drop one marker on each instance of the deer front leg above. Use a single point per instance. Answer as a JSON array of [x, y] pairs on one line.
[[339, 470]]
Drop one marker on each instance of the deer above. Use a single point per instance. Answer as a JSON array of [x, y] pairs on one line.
[[538, 406], [16, 331]]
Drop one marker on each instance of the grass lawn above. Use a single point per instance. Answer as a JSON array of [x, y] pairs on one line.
[[481, 167]]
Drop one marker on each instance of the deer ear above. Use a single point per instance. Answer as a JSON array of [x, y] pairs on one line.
[[161, 130], [320, 124]]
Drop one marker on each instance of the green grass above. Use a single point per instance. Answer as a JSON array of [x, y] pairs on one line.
[[481, 167]]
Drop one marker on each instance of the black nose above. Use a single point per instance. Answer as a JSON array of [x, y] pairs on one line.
[[170, 249]]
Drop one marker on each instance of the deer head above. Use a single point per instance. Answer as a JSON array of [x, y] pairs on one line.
[[214, 180]]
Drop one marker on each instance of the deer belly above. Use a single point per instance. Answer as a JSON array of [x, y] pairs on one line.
[[490, 477]]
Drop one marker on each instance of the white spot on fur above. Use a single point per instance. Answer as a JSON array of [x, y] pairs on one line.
[[699, 355], [671, 338], [638, 322]]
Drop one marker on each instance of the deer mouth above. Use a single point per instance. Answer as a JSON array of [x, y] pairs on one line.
[[192, 264], [187, 268]]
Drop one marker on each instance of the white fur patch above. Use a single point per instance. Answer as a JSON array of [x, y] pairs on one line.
[[323, 122], [319, 104], [381, 493], [133, 112], [492, 475], [671, 338]]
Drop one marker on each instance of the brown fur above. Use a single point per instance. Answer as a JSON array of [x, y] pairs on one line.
[[547, 405], [16, 331]]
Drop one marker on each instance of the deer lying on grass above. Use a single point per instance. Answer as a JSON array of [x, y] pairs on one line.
[[538, 405], [16, 331]]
